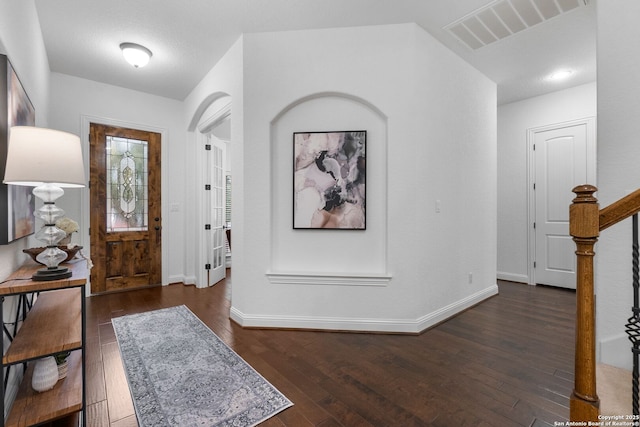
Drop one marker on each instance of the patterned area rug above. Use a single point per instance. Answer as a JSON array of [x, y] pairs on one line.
[[181, 374]]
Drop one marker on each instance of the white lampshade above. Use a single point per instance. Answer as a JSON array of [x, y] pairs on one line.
[[136, 55], [37, 156]]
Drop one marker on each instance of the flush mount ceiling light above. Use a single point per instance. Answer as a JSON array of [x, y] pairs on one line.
[[560, 75], [136, 55]]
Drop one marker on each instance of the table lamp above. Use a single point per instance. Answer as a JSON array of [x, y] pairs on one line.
[[48, 160]]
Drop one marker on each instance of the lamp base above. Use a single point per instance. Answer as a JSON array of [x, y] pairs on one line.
[[56, 273]]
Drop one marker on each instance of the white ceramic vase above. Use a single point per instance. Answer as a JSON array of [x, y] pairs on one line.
[[45, 374]]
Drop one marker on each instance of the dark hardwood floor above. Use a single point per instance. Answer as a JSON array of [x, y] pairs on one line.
[[506, 362]]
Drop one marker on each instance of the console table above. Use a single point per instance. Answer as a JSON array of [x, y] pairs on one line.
[[55, 323]]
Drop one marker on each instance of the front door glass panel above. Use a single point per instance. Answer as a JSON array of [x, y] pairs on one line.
[[127, 185]]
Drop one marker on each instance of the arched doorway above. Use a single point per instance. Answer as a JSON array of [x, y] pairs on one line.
[[213, 137]]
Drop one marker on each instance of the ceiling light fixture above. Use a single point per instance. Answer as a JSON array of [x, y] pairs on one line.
[[135, 54], [560, 75]]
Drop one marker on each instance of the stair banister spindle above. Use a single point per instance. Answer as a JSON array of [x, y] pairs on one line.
[[633, 323], [584, 227]]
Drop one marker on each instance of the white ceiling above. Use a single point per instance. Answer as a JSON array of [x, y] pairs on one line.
[[187, 38]]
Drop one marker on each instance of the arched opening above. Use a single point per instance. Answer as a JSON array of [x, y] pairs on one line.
[[213, 136]]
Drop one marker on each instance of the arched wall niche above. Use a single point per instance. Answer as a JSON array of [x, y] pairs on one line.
[[325, 252]]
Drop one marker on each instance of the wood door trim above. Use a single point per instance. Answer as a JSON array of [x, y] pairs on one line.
[[97, 231]]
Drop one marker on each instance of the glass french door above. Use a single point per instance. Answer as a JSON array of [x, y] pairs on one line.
[[215, 241]]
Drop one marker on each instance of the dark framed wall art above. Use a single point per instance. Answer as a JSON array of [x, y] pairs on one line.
[[17, 204], [329, 188]]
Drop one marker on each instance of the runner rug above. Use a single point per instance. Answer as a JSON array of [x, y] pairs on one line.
[[181, 374]]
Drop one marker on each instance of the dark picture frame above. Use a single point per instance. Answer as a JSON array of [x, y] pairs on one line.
[[17, 204], [329, 184]]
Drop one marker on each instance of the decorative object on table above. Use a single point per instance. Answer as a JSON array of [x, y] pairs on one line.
[[180, 373], [45, 374], [69, 226], [70, 250], [329, 180], [48, 160], [62, 362], [17, 205]]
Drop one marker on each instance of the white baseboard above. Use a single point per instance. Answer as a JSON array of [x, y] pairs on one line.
[[408, 326], [511, 277], [187, 280], [451, 310], [175, 279], [616, 351]]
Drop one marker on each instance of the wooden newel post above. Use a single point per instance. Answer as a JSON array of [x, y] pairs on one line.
[[584, 226]]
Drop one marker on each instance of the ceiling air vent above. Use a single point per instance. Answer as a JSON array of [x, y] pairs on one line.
[[502, 18]]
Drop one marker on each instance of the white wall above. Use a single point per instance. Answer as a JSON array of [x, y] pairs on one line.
[[21, 41], [514, 120], [76, 101], [224, 80], [618, 171], [433, 137]]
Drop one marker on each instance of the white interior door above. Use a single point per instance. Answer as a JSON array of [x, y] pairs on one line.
[[216, 248], [564, 158]]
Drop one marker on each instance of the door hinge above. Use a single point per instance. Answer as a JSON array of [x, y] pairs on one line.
[[207, 147], [534, 185], [534, 264], [534, 225], [207, 226], [534, 147], [207, 187], [207, 266]]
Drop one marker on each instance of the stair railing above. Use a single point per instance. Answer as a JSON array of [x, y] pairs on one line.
[[586, 222], [633, 323]]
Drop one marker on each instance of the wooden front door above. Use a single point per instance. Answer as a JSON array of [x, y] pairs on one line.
[[125, 208]]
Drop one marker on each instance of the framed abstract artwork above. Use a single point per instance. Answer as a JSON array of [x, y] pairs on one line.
[[329, 184], [17, 204]]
